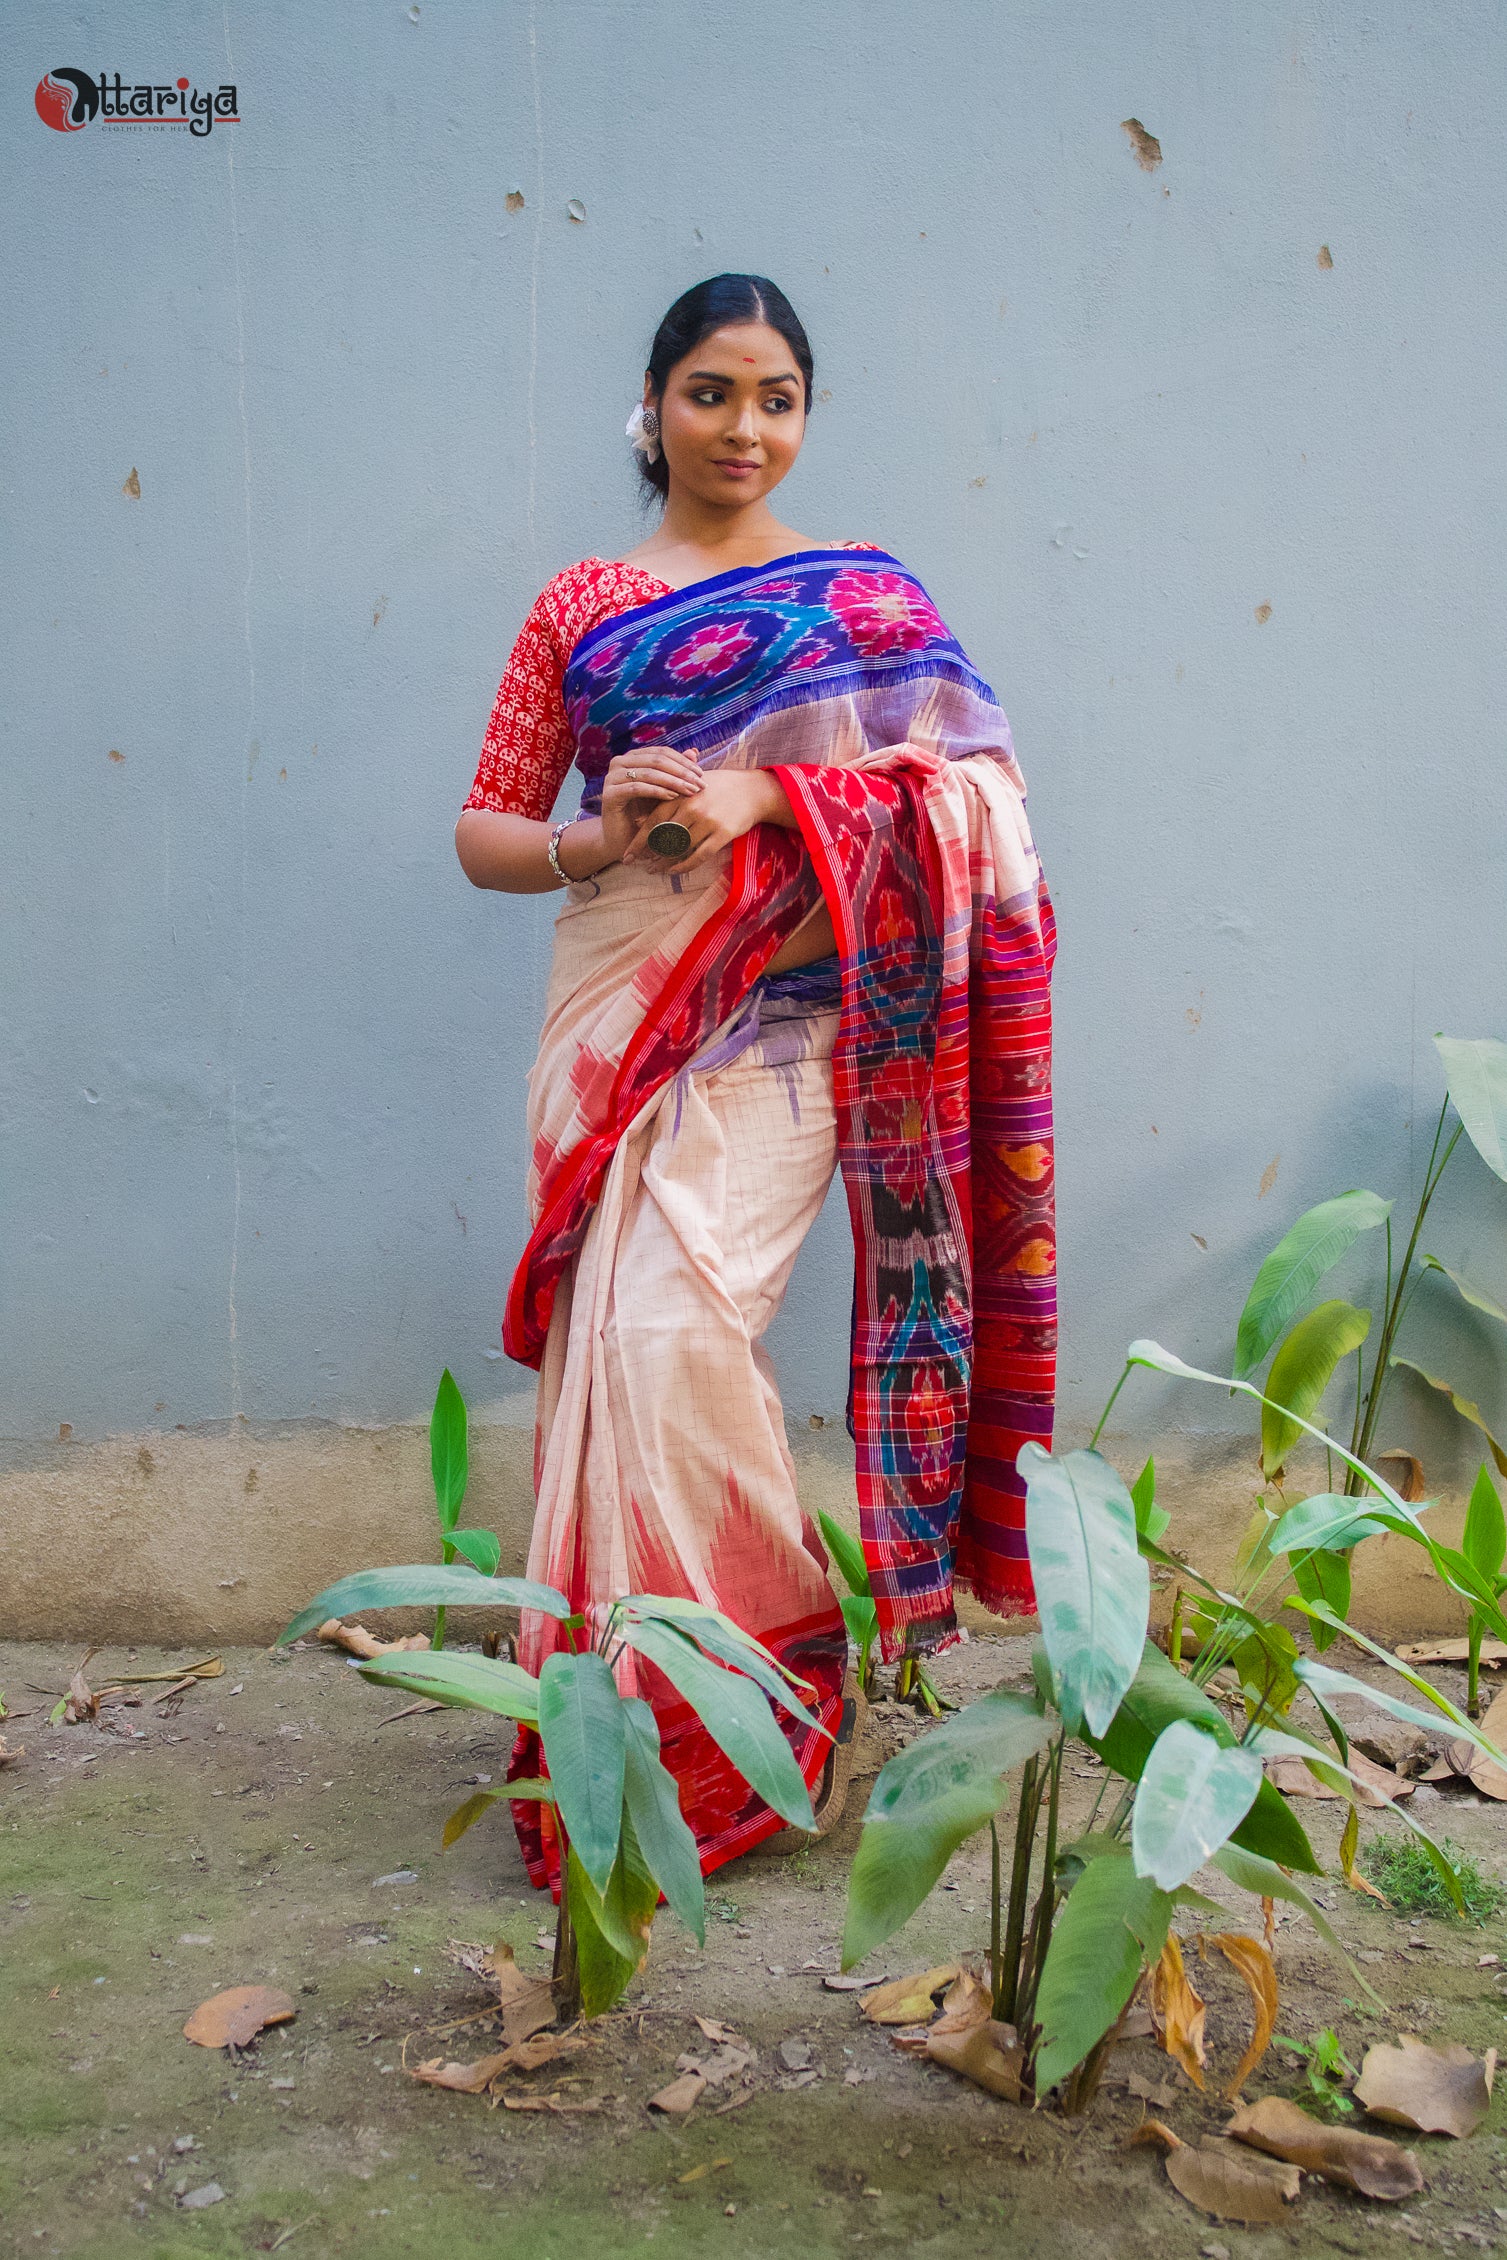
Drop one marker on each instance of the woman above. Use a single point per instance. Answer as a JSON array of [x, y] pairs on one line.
[[804, 923]]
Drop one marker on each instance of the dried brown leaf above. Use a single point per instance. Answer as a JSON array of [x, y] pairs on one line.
[[1177, 2011], [559, 2104], [966, 2002], [1365, 2162], [357, 1641], [462, 2079], [982, 2050], [234, 2018], [1404, 1471], [1493, 1652], [1435, 2089], [208, 1667], [8, 1756], [1150, 2091], [80, 1704], [839, 1984], [909, 2000], [680, 2096], [1229, 2186], [1375, 1784], [736, 2103], [1153, 2131], [1250, 1958], [722, 2036], [1484, 1773]]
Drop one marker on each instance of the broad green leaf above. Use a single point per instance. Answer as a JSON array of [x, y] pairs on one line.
[[1329, 1521], [653, 1801], [605, 1971], [1475, 1069], [1265, 1659], [448, 1458], [861, 1617], [721, 1638], [1268, 1881], [1156, 1696], [1111, 1924], [1325, 1577], [1148, 1353], [1294, 1268], [581, 1727], [1272, 1742], [467, 1814], [846, 1552], [1477, 1298], [930, 1797], [1301, 1371], [1463, 1406], [1193, 1795], [624, 1912], [481, 1548], [1326, 1683], [423, 1585], [1093, 1589], [735, 1714], [1150, 1519], [471, 1683], [1484, 1540]]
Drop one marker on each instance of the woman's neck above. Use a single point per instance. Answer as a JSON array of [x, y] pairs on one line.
[[703, 531]]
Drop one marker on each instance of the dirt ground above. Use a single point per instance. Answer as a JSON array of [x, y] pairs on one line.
[[274, 1830]]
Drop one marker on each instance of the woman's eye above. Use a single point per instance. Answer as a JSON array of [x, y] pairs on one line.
[[777, 405], [709, 397]]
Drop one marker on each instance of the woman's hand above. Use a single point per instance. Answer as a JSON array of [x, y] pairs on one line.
[[636, 790], [729, 803]]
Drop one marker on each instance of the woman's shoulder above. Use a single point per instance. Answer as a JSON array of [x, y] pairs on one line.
[[590, 591]]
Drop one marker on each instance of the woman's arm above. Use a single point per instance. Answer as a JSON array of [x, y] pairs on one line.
[[510, 852]]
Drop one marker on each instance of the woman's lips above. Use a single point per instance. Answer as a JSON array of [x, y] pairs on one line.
[[736, 469]]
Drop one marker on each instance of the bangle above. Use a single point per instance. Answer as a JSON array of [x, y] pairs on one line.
[[557, 834]]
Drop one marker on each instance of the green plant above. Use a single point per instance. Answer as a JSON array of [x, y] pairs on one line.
[[1326, 2069], [913, 1683], [623, 1839], [1307, 1346], [450, 1466], [1411, 1884], [1484, 1545], [1064, 1966], [857, 1604]]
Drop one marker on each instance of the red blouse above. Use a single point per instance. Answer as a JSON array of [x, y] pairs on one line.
[[528, 746]]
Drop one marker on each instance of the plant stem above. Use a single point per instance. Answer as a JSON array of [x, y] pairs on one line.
[[994, 1968], [1474, 1630], [1398, 1298], [437, 1637], [1008, 1987], [1109, 1408], [565, 1976], [1046, 1902]]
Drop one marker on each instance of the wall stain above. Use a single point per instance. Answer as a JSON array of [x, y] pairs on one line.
[[1263, 614], [132, 486], [1325, 257], [1268, 1177], [116, 754], [1145, 147], [1199, 1241], [460, 1220], [379, 608], [513, 201]]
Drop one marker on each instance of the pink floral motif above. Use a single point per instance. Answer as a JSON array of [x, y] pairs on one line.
[[885, 612], [593, 746], [810, 652], [604, 659], [710, 651]]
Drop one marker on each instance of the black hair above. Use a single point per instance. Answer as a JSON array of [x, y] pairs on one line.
[[713, 305]]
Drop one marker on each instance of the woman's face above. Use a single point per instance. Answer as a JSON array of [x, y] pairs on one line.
[[733, 414]]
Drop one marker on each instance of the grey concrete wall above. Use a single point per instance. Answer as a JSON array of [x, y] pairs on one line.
[[1204, 462]]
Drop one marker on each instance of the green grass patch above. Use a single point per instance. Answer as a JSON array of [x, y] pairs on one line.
[[1403, 1870]]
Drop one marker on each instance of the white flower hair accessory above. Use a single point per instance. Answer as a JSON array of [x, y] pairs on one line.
[[643, 431]]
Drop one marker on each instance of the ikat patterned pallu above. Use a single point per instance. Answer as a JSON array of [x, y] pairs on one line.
[[835, 668]]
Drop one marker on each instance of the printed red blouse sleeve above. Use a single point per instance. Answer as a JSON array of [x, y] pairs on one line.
[[528, 745]]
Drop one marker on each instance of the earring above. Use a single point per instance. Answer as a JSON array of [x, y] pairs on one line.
[[643, 431]]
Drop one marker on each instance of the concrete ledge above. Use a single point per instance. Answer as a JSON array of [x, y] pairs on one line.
[[221, 1534]]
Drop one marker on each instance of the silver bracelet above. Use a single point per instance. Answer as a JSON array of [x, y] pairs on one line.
[[557, 834]]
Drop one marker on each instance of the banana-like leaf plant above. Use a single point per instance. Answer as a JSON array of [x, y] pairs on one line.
[[1191, 1784], [622, 1837]]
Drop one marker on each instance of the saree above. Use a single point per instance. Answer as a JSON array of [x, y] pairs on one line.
[[686, 1111]]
